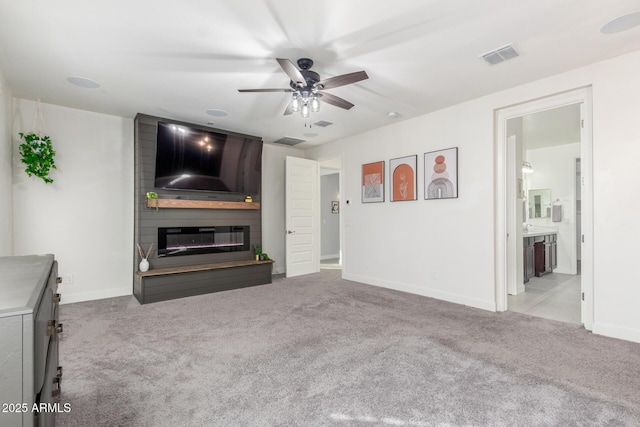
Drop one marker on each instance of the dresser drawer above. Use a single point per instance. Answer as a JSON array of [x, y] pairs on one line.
[[45, 326], [51, 387], [28, 337]]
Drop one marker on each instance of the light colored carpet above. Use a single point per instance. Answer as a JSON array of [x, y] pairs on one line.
[[321, 351]]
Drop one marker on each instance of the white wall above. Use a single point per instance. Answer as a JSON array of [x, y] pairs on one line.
[[445, 248], [436, 248], [85, 217], [273, 202], [616, 153], [554, 168], [6, 200]]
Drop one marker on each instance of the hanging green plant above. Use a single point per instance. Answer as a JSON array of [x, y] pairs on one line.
[[37, 153]]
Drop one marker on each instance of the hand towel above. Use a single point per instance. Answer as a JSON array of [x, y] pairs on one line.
[[556, 213]]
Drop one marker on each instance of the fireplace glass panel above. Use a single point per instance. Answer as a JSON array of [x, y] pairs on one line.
[[198, 240]]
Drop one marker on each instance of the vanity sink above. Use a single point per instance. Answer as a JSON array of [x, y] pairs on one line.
[[539, 231], [540, 250]]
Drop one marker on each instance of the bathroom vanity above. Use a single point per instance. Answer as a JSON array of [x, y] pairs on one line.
[[540, 252]]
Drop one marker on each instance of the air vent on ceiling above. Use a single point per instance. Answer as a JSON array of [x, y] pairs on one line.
[[323, 123], [289, 141], [499, 55]]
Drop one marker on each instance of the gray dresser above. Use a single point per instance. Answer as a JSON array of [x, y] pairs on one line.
[[29, 326]]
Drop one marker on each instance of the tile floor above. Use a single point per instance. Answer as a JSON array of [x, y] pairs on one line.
[[554, 296]]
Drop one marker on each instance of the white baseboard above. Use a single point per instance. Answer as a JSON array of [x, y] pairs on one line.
[[614, 331], [420, 290], [71, 297]]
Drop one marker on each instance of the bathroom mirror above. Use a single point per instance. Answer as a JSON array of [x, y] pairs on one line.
[[540, 203]]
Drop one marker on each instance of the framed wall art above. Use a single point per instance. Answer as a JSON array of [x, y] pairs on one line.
[[373, 182], [441, 174], [404, 178]]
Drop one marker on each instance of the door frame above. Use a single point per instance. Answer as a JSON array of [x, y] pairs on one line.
[[504, 221]]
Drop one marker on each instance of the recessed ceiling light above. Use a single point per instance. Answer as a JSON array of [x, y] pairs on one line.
[[83, 82], [310, 134], [621, 23], [217, 113]]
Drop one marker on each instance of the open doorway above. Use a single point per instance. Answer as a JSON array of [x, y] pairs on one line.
[[330, 214], [541, 210], [549, 144]]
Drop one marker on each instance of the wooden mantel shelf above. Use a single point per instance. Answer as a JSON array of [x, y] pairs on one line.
[[200, 267], [200, 204]]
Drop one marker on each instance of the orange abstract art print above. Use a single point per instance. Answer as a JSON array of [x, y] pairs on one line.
[[403, 178]]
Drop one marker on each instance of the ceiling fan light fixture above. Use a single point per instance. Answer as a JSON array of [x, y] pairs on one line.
[[307, 87], [315, 104], [295, 103], [305, 110]]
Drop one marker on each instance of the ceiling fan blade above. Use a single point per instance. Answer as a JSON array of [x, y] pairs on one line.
[[292, 71], [265, 90], [344, 79], [336, 100]]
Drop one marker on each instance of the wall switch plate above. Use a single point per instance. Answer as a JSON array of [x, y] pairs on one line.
[[68, 279]]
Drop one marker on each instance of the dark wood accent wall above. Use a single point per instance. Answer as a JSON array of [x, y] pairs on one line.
[[148, 219]]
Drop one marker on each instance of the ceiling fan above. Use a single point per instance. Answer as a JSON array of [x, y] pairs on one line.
[[308, 89]]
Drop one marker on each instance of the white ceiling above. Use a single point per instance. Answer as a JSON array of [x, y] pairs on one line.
[[178, 59]]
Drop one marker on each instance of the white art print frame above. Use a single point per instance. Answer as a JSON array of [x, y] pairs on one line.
[[441, 174], [373, 182], [403, 173]]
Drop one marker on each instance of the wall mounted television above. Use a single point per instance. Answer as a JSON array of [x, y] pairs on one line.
[[189, 158]]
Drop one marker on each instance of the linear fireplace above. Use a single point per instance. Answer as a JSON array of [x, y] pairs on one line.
[[202, 240]]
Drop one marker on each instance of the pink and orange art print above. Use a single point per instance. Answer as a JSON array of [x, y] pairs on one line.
[[441, 174], [404, 178], [373, 182]]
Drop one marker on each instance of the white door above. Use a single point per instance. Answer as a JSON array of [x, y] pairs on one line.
[[302, 217]]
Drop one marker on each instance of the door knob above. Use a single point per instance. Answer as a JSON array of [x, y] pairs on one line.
[[290, 232]]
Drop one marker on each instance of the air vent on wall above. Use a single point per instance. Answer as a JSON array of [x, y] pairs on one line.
[[289, 141], [499, 55], [323, 123]]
